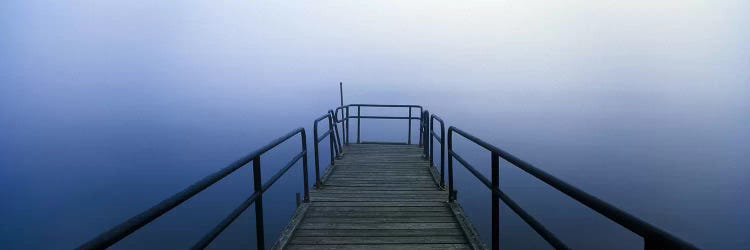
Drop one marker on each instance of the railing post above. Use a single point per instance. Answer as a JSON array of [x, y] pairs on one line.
[[409, 132], [359, 113], [304, 169], [421, 128], [341, 92], [451, 196], [331, 140], [346, 137], [654, 243], [316, 157], [495, 201], [334, 118], [258, 188], [442, 155], [334, 131], [429, 133]]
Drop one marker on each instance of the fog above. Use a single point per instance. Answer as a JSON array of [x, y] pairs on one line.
[[107, 107]]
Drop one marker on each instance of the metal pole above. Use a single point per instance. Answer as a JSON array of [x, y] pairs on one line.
[[347, 125], [421, 128], [451, 197], [495, 201], [304, 169], [341, 92], [359, 113], [331, 140], [426, 135], [442, 155], [258, 188], [335, 130], [316, 157], [432, 128], [409, 140]]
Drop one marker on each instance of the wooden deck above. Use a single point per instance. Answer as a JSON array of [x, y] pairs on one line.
[[379, 197]]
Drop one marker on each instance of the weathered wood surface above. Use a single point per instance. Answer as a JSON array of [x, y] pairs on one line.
[[379, 197]]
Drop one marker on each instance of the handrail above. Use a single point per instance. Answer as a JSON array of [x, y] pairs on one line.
[[344, 122], [337, 136], [359, 116], [424, 138], [129, 226], [386, 105], [654, 238], [317, 139], [441, 140]]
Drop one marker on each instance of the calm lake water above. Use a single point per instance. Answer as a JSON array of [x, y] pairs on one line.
[[107, 107]]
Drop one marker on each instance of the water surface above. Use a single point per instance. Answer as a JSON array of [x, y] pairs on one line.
[[108, 107]]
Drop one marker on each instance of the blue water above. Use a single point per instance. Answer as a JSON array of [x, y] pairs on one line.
[[108, 107]]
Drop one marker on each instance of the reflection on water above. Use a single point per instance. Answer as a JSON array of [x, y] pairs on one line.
[[108, 107]]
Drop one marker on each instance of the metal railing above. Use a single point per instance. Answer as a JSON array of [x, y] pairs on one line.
[[344, 123], [347, 119], [441, 140], [424, 135], [126, 228], [654, 238], [333, 141]]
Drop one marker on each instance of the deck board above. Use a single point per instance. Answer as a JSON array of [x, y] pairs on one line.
[[379, 197]]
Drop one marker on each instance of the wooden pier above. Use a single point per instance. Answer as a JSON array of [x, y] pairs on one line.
[[384, 195], [379, 196]]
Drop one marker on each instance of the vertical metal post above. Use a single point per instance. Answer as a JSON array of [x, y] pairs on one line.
[[426, 135], [653, 243], [316, 157], [421, 128], [409, 140], [442, 155], [341, 95], [346, 138], [334, 131], [331, 140], [359, 113], [306, 185], [258, 188], [495, 201], [341, 92], [432, 128], [451, 197]]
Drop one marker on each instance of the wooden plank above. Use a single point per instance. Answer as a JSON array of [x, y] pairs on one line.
[[382, 232], [389, 214], [375, 195], [381, 247], [378, 204], [385, 182], [379, 197], [305, 225], [376, 171], [375, 178], [384, 185], [335, 240], [337, 219], [392, 199], [363, 173], [325, 191], [380, 178], [365, 209], [376, 188]]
